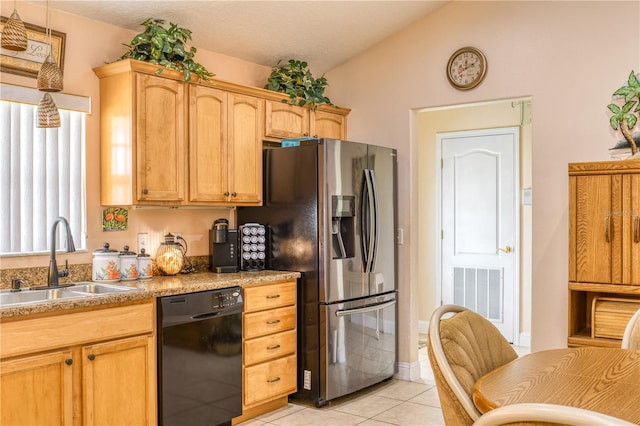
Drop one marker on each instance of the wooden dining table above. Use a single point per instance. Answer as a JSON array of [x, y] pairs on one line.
[[606, 380]]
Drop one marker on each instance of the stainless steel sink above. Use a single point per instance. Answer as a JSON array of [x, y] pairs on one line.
[[36, 296], [77, 291], [100, 288]]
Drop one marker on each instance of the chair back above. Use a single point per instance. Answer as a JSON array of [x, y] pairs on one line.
[[462, 349], [547, 414], [631, 337]]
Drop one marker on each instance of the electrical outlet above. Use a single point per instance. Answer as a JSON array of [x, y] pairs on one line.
[[143, 242], [400, 236]]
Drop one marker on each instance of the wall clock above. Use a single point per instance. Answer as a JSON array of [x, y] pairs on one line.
[[466, 68]]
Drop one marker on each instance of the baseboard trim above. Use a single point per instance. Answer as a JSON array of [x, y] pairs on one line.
[[409, 371]]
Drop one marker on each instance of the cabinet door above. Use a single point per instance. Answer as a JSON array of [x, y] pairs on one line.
[[631, 229], [245, 149], [37, 390], [119, 386], [597, 229], [208, 157], [328, 125], [160, 139], [285, 120]]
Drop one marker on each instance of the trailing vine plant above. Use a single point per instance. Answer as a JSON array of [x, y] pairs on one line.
[[166, 47], [295, 79]]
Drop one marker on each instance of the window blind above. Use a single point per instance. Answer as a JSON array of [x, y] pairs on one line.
[[42, 176]]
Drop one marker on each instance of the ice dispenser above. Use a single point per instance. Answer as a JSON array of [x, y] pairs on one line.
[[343, 227]]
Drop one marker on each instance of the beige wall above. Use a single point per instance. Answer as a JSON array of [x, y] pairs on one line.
[[90, 44], [567, 56], [509, 113]]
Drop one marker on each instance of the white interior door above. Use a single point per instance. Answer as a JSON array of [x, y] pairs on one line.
[[479, 222]]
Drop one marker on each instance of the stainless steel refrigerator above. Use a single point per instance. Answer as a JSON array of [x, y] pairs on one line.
[[330, 208]]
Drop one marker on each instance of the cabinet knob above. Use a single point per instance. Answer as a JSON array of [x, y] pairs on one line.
[[91, 357], [226, 194], [145, 191], [233, 194], [68, 361]]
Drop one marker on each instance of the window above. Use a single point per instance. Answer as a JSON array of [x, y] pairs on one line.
[[42, 174]]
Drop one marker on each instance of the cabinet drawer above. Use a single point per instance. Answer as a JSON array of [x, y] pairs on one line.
[[26, 336], [269, 296], [268, 322], [269, 347], [270, 379]]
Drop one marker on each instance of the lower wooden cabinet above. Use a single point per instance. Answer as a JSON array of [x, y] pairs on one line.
[[269, 348], [92, 367]]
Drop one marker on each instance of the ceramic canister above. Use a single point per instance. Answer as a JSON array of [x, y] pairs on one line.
[[128, 265], [145, 265], [106, 265]]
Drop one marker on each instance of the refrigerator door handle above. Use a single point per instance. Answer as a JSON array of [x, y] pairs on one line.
[[373, 254], [368, 220], [364, 309]]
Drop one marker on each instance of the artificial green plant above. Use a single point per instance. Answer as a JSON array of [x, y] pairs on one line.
[[166, 47], [295, 79], [625, 118]]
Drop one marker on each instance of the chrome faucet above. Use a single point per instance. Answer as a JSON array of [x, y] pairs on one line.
[[52, 281]]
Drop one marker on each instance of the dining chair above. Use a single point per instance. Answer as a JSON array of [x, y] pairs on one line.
[[547, 413], [463, 347], [631, 337]]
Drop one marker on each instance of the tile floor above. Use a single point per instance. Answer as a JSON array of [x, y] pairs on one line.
[[395, 402]]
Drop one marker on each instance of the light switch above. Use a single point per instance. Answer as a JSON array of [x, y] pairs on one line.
[[527, 196]]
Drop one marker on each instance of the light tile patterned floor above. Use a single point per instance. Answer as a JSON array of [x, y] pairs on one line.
[[395, 402]]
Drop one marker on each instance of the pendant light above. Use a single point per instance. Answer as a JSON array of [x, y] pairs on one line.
[[49, 76], [14, 34], [47, 112]]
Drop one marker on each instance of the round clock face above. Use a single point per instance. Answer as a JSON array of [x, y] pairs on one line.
[[466, 68]]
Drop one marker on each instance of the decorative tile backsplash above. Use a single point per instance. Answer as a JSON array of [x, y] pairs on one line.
[[37, 276]]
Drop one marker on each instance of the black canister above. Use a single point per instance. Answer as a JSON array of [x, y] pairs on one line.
[[220, 230]]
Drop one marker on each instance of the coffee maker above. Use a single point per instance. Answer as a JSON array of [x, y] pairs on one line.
[[223, 247]]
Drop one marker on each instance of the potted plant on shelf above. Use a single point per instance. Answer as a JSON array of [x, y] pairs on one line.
[[295, 79], [625, 117], [166, 47]]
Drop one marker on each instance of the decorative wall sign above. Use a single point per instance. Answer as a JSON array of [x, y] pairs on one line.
[[28, 63]]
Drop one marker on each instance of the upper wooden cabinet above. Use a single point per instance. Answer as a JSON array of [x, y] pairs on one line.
[[283, 120], [604, 249], [167, 142], [604, 213], [225, 147]]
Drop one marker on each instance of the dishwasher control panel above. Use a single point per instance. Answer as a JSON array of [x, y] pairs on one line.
[[226, 298]]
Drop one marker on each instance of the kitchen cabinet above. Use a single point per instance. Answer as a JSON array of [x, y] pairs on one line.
[[225, 147], [269, 348], [283, 120], [167, 142], [604, 242], [93, 367]]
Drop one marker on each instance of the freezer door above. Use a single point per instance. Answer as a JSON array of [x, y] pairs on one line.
[[361, 344], [358, 220]]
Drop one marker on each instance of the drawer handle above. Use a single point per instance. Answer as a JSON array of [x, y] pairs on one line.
[[636, 230], [272, 347], [273, 296], [273, 322], [277, 379], [607, 229]]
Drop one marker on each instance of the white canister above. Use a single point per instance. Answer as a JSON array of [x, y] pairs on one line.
[[106, 265], [128, 265], [145, 265]]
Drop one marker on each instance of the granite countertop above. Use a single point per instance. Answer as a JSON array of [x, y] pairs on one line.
[[157, 286]]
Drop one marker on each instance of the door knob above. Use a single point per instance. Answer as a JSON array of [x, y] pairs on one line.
[[507, 249]]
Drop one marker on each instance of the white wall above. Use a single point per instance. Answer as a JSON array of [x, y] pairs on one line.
[[568, 56]]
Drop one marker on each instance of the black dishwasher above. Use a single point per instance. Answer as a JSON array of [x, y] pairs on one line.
[[200, 357]]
